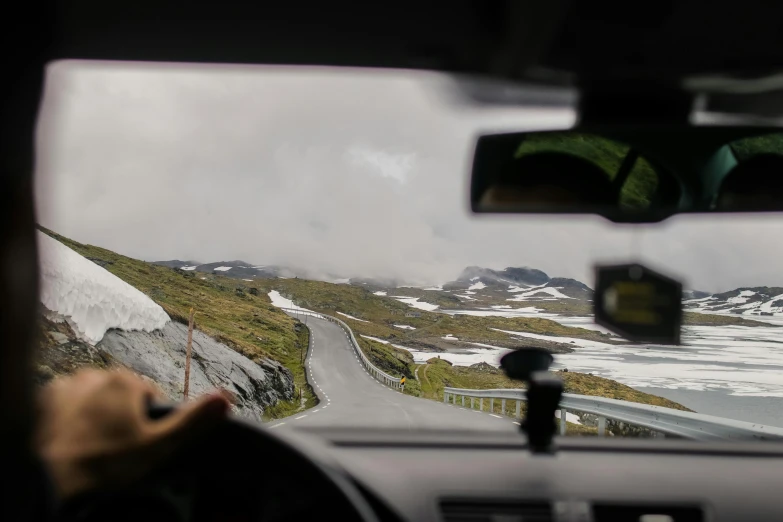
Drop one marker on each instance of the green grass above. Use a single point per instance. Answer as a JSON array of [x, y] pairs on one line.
[[697, 319], [249, 324]]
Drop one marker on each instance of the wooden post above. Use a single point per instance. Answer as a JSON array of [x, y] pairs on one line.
[[187, 356]]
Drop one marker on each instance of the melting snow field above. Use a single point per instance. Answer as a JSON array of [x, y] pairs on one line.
[[94, 298], [735, 360], [742, 361]]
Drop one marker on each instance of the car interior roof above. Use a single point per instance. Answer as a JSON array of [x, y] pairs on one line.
[[638, 56], [665, 40]]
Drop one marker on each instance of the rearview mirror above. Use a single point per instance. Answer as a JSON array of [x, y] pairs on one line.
[[630, 174]]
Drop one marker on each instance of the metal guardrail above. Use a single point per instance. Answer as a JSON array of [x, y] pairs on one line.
[[661, 420], [374, 371]]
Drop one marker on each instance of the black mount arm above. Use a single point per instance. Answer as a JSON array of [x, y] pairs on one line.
[[544, 392]]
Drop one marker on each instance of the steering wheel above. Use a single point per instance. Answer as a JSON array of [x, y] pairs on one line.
[[241, 472]]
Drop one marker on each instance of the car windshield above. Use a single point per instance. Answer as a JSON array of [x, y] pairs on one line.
[[309, 230]]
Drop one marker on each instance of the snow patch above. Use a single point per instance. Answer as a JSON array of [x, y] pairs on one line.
[[439, 287], [94, 298], [282, 302], [700, 300], [188, 268], [450, 337], [375, 339], [570, 417], [405, 326], [379, 292], [248, 280], [550, 290], [477, 286], [415, 303], [352, 317], [558, 339], [515, 288], [741, 298], [222, 269]]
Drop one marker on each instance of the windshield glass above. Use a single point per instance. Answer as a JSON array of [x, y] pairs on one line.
[[311, 227]]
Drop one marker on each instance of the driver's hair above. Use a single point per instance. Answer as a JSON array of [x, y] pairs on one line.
[[566, 171]]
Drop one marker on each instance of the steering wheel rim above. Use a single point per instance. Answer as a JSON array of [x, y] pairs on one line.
[[157, 488]]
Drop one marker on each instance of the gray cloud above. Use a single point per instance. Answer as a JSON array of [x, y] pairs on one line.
[[335, 171]]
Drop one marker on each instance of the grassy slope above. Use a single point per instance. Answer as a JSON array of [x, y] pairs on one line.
[[247, 323], [698, 319]]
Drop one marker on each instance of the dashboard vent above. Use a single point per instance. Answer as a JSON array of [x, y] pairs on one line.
[[646, 513], [494, 511]]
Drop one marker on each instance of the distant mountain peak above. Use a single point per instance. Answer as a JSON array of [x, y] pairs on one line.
[[510, 275]]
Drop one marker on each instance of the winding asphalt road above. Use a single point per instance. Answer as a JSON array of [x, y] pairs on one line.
[[350, 397]]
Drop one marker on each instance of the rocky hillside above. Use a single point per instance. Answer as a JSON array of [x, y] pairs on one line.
[[160, 357], [242, 342], [484, 288]]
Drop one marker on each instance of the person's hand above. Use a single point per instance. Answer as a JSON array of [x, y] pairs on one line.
[[94, 432]]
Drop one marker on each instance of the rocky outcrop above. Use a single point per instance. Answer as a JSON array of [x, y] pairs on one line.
[[514, 275], [571, 287], [160, 355]]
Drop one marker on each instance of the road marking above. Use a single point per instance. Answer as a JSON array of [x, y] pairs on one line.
[[496, 416], [276, 425], [518, 424], [475, 411], [316, 411], [300, 417]]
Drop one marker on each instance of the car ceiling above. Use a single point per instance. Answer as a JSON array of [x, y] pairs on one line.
[[502, 37]]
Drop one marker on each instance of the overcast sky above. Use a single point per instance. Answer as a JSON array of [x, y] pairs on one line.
[[354, 173]]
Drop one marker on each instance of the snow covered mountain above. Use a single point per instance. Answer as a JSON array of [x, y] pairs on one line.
[[517, 284], [758, 301]]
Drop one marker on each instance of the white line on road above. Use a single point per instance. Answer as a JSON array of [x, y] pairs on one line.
[[300, 417], [496, 416], [518, 424], [276, 425]]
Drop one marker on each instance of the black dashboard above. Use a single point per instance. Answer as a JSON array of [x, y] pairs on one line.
[[446, 476]]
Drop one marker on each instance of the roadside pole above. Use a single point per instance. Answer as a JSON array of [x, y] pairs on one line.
[[188, 353]]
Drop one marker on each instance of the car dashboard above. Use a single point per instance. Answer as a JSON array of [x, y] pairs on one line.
[[479, 476]]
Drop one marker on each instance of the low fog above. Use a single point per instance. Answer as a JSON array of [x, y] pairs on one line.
[[341, 172]]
